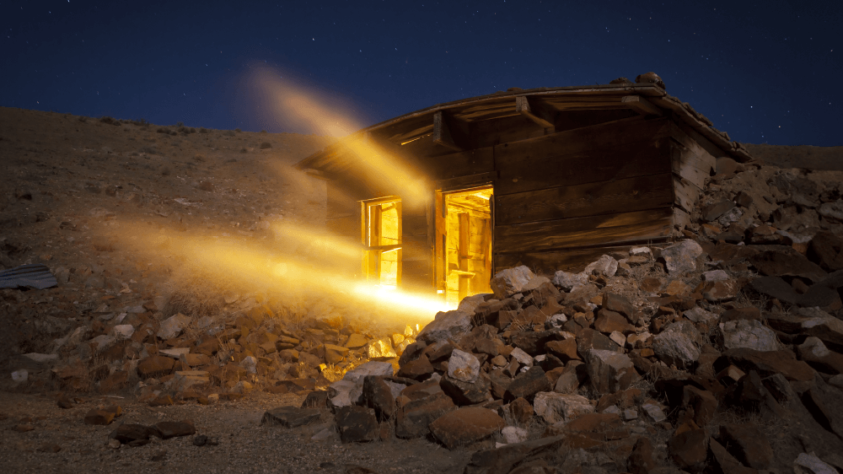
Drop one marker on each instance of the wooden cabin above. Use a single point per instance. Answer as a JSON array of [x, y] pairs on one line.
[[550, 178]]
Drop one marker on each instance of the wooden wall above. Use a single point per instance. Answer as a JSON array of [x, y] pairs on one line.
[[560, 200]]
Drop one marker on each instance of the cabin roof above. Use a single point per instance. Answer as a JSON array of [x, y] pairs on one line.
[[639, 97]]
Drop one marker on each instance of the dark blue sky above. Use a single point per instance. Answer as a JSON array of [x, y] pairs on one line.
[[765, 71]]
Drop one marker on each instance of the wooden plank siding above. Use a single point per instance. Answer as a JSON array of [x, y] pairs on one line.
[[610, 229]]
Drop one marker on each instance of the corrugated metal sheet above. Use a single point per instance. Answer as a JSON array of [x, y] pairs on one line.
[[36, 276]]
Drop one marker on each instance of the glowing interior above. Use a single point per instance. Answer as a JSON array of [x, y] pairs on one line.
[[468, 243], [383, 239]]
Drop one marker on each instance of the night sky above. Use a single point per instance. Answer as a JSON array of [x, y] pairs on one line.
[[766, 71]]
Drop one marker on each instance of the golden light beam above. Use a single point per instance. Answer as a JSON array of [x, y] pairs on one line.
[[382, 166]]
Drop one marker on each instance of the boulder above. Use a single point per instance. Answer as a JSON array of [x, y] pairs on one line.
[[749, 334], [527, 384], [681, 257], [748, 444], [173, 326], [608, 322], [510, 281], [555, 407], [356, 424], [605, 265], [807, 463], [378, 396], [446, 325], [467, 393], [689, 449], [413, 419], [174, 429], [465, 426], [786, 261], [610, 371], [677, 344], [619, 304], [463, 366], [766, 363], [826, 250], [569, 281]]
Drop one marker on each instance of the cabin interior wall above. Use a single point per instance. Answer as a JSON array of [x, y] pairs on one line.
[[467, 243]]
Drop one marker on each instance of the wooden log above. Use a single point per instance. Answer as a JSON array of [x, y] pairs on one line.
[[456, 165], [641, 105], [690, 160], [442, 132], [605, 197], [584, 231], [536, 110]]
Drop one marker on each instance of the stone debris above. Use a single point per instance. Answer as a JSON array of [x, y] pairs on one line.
[[639, 361]]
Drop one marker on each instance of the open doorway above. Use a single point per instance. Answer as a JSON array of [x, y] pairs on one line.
[[464, 242], [382, 242]]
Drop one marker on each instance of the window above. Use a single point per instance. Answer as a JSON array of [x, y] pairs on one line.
[[382, 241]]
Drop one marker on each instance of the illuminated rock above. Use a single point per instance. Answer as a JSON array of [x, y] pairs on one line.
[[380, 348], [446, 325], [463, 366], [356, 341]]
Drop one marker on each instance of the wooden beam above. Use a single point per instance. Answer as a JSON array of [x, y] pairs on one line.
[[536, 110], [641, 105], [442, 132]]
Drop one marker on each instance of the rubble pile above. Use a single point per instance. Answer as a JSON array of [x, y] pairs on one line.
[[720, 352]]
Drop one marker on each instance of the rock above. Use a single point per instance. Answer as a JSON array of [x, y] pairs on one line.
[[608, 322], [701, 404], [528, 383], [378, 395], [826, 250], [122, 331], [99, 417], [510, 281], [504, 458], [822, 325], [569, 281], [173, 326], [725, 462], [514, 434], [155, 365], [466, 393], [654, 412], [134, 434], [681, 257], [641, 460], [619, 304], [741, 313], [677, 344], [720, 291], [605, 265], [689, 449], [833, 210], [290, 417], [470, 303], [786, 262], [716, 209], [522, 357], [589, 339], [414, 418], [173, 429], [569, 381], [23, 427], [446, 325], [418, 369], [775, 287], [565, 350], [810, 464], [356, 424], [465, 426], [749, 334], [381, 369], [610, 371], [380, 348], [554, 407], [748, 444], [343, 393], [356, 341], [766, 363], [701, 316], [715, 275], [815, 353], [20, 375], [335, 354], [463, 366]]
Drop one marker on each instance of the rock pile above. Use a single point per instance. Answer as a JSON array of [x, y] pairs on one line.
[[722, 352]]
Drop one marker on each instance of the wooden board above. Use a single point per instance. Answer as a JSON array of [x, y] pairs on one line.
[[605, 197], [584, 231], [690, 160], [572, 260], [686, 194], [454, 165], [643, 158]]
